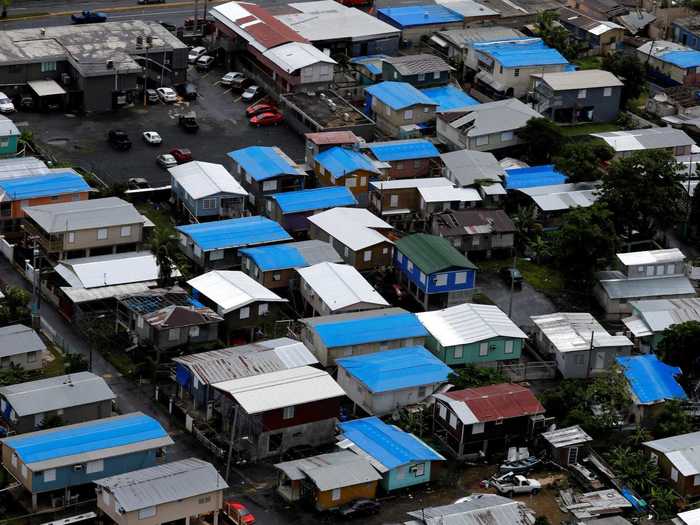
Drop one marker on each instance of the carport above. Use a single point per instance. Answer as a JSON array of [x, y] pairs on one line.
[[48, 92]]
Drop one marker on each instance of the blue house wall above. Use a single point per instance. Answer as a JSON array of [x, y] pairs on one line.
[[428, 284], [405, 476], [686, 37]]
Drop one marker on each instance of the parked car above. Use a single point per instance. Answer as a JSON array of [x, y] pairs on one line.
[[146, 2], [204, 63], [152, 137], [232, 78], [251, 93], [88, 17], [195, 53], [138, 183], [510, 484], [166, 94], [119, 139], [187, 91], [152, 96], [512, 274], [181, 155], [271, 118], [358, 508], [166, 160], [6, 105], [261, 107], [238, 513], [26, 102], [188, 122]]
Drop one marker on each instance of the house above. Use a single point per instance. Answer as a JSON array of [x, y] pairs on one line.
[[654, 274], [533, 176], [241, 301], [161, 494], [21, 346], [407, 159], [626, 143], [14, 167], [329, 288], [572, 97], [216, 244], [459, 42], [384, 382], [468, 168], [274, 266], [449, 97], [205, 191], [339, 166], [59, 459], [651, 317], [291, 209], [439, 199], [321, 141], [475, 334], [85, 228], [356, 234], [578, 343], [677, 458], [477, 422], [688, 517], [61, 185], [485, 127], [421, 71], [567, 446], [599, 37], [333, 336], [328, 481], [70, 399], [264, 170], [9, 137], [651, 383], [669, 63], [685, 31], [273, 412], [477, 509], [196, 374], [399, 200], [401, 458], [399, 109], [480, 232], [504, 66], [433, 271], [554, 200]]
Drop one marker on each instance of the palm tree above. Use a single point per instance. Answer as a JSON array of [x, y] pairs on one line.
[[5, 5], [164, 248], [13, 375], [541, 248], [665, 502], [525, 223]]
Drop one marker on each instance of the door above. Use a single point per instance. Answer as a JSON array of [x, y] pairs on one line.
[[573, 455], [600, 360]]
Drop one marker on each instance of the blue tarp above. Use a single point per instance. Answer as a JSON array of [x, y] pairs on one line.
[[651, 380], [396, 369], [183, 376], [370, 330], [275, 257], [262, 162], [43, 185], [387, 444], [399, 95], [315, 199], [521, 52], [85, 437], [684, 59], [418, 15], [449, 97], [340, 161], [545, 175], [370, 62], [404, 150], [231, 233]]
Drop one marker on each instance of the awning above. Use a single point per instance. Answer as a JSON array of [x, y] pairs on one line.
[[46, 88], [487, 79], [438, 41]]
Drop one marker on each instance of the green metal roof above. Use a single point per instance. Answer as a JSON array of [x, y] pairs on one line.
[[432, 253]]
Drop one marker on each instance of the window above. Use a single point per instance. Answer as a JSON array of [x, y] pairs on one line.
[[442, 411], [421, 276], [276, 277], [578, 359], [674, 474], [367, 256], [146, 513], [287, 412], [363, 181], [173, 334], [24, 471], [398, 166], [421, 77], [506, 136], [216, 255], [387, 110], [500, 70], [516, 72], [418, 470], [94, 466], [477, 428], [205, 499], [396, 75], [417, 163], [696, 480], [346, 252], [194, 331], [394, 201], [426, 109], [14, 460], [208, 204], [269, 185], [409, 266], [607, 92], [581, 93], [105, 497], [509, 347], [245, 312], [350, 182], [48, 66], [670, 269], [458, 352], [460, 277], [385, 250], [660, 270], [483, 349], [476, 240], [248, 179], [71, 237], [422, 392], [453, 420], [31, 357], [38, 419], [436, 75], [101, 234], [483, 140], [335, 495], [399, 257], [125, 231], [441, 279], [408, 114], [262, 309], [50, 475], [654, 458]]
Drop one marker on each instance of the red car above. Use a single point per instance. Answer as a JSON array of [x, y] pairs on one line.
[[181, 155], [269, 118], [256, 109], [238, 513]]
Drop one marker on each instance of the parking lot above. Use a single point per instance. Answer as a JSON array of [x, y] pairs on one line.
[[82, 140]]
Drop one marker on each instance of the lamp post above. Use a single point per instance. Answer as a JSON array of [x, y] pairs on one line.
[[139, 45]]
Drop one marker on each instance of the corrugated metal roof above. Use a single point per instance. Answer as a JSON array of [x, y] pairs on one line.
[[396, 369], [340, 161], [463, 37], [371, 329], [432, 254], [84, 215], [467, 166], [263, 162], [85, 295], [232, 233], [340, 286], [356, 228], [564, 437], [314, 199], [161, 484], [683, 451], [690, 517], [231, 290], [18, 167], [388, 444], [637, 326], [651, 380], [46, 185], [545, 175], [482, 509], [403, 150], [558, 197], [583, 79], [670, 255], [292, 255], [492, 117], [8, 128], [449, 194], [326, 138], [498, 402], [283, 388], [19, 339], [56, 393], [651, 138], [296, 55], [449, 97], [398, 184], [618, 286], [399, 95], [422, 63], [109, 270], [331, 471], [572, 332], [470, 9], [419, 15], [469, 323], [203, 179], [659, 314], [521, 52]]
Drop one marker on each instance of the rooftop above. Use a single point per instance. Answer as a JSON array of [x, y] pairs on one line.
[[521, 52], [463, 37], [469, 9], [399, 95], [479, 221], [583, 79], [328, 112], [328, 138], [682, 450], [341, 161], [422, 63], [18, 167], [296, 55], [314, 199], [398, 184], [432, 254], [8, 128], [671, 53], [564, 437], [356, 228], [46, 185], [231, 290], [656, 315], [180, 316], [618, 286], [234, 233], [418, 15], [204, 179], [557, 197], [492, 403], [265, 162], [572, 332], [331, 471], [19, 339], [479, 509], [545, 175], [491, 117], [449, 97], [84, 215], [110, 270], [641, 139], [449, 194], [292, 255], [650, 380], [467, 167], [396, 369], [671, 255], [397, 150]]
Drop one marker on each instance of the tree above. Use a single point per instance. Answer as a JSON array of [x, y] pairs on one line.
[[541, 248], [14, 306], [630, 71], [680, 346], [13, 375], [562, 399], [544, 139], [665, 502], [643, 193], [610, 394], [472, 376], [164, 248], [554, 35], [583, 161], [52, 421], [74, 363], [5, 4], [634, 468], [525, 224], [673, 420]]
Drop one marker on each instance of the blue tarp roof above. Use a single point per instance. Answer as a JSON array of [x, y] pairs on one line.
[[275, 257], [396, 369], [403, 150], [370, 330], [418, 15], [87, 437], [650, 379], [399, 95], [263, 162], [449, 97], [521, 52], [545, 175], [370, 62], [44, 185], [389, 445], [342, 161], [230, 233], [315, 199], [684, 59]]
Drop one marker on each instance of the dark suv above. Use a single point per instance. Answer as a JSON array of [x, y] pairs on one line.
[[119, 139]]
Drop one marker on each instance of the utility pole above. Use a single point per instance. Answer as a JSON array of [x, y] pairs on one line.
[[230, 443], [512, 283], [36, 283]]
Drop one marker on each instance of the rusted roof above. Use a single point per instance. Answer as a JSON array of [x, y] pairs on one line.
[[326, 138], [496, 402], [473, 222], [176, 316]]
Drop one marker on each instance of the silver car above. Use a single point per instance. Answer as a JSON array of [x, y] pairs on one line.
[[166, 160]]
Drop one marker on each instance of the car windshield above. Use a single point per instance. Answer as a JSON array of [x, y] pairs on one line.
[[243, 511], [4, 100]]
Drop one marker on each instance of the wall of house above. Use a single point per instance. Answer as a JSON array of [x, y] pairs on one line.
[[588, 363], [669, 71], [605, 108], [379, 256], [174, 337], [393, 199], [406, 476], [325, 501], [420, 81], [389, 120], [450, 136], [356, 181], [518, 79], [17, 206], [273, 279], [69, 416], [429, 283], [226, 259], [98, 91], [27, 360], [654, 270], [410, 169], [479, 243], [684, 485], [87, 239], [8, 144], [314, 433], [494, 141], [496, 349]]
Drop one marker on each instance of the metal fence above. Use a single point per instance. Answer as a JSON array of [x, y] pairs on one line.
[[530, 371]]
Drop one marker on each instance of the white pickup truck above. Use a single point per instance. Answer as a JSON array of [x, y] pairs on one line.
[[510, 484]]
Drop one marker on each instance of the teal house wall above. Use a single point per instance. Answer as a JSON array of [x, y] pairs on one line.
[[405, 476], [8, 144], [471, 353]]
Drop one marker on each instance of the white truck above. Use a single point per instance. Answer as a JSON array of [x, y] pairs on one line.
[[510, 484]]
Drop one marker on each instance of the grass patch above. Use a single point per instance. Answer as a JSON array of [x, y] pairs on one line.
[[57, 366], [121, 362], [589, 62], [542, 278], [585, 129], [32, 14], [160, 216]]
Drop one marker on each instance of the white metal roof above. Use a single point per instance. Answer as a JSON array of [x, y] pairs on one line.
[[690, 517], [85, 295], [584, 79], [558, 197], [449, 194], [110, 270], [296, 55], [574, 332], [469, 323], [354, 227], [84, 215], [283, 388], [340, 285], [655, 315], [231, 290], [203, 179], [640, 139], [564, 437], [460, 409], [637, 326], [670, 255], [400, 184], [45, 88]]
